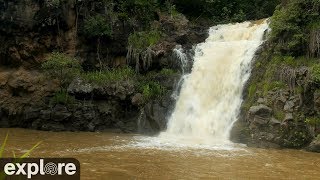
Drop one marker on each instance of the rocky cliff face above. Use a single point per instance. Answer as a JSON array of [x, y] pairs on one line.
[[280, 113], [30, 30]]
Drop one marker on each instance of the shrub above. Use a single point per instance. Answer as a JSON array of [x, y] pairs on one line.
[[315, 73], [144, 39], [151, 90], [62, 67]]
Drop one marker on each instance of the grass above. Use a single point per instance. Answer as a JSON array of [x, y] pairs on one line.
[[25, 155], [315, 72], [108, 76], [314, 121], [62, 97], [167, 72], [279, 115], [273, 85]]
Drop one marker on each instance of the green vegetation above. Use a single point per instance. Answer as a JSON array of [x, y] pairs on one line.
[[279, 115], [144, 39], [97, 26], [295, 28], [313, 121], [167, 72], [62, 97], [62, 67], [151, 90], [25, 155], [108, 76], [143, 11], [229, 10], [273, 85], [315, 73]]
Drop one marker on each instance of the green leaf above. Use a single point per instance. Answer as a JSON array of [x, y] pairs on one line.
[[29, 151], [3, 145]]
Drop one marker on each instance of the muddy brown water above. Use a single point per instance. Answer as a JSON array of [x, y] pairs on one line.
[[119, 156]]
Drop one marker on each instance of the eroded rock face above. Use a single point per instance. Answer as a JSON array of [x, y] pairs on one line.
[[21, 87], [278, 118]]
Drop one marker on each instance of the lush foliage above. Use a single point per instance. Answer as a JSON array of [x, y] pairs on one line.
[[151, 90], [62, 67], [292, 25], [315, 73], [97, 26], [144, 39], [227, 10], [142, 10]]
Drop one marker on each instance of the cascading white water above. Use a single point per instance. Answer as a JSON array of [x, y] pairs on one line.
[[210, 98]]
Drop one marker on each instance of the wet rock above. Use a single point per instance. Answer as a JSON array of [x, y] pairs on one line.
[[60, 113], [154, 115], [314, 146], [45, 114], [53, 126], [32, 113]]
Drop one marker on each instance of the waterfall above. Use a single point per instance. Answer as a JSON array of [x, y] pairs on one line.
[[182, 57], [211, 96]]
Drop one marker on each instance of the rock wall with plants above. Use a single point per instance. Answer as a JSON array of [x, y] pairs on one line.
[[90, 65], [95, 65], [281, 107]]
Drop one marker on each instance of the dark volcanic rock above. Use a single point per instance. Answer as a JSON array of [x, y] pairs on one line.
[[155, 115], [314, 146]]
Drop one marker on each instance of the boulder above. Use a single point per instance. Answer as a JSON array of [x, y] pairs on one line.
[[314, 146], [60, 113], [261, 110]]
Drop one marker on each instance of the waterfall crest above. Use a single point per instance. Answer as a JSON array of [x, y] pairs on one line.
[[211, 96]]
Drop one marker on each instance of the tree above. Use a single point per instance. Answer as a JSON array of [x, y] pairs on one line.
[[97, 26]]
